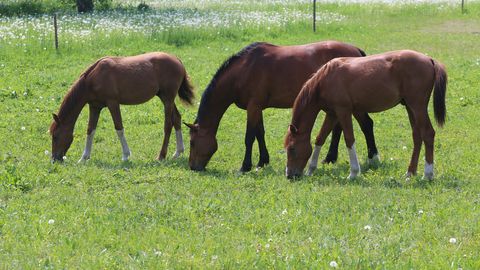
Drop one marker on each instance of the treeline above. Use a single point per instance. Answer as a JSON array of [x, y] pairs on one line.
[[24, 7]]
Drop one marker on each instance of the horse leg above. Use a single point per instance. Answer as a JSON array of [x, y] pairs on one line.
[[328, 124], [428, 136], [167, 128], [114, 109], [177, 124], [253, 116], [332, 154], [366, 125], [262, 147], [417, 144], [94, 113], [345, 119]]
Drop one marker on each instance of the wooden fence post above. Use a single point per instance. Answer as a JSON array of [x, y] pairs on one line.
[[56, 30], [314, 15]]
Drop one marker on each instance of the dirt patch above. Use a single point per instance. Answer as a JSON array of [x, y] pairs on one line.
[[456, 26]]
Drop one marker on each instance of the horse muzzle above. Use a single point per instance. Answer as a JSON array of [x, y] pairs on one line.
[[57, 158], [292, 173]]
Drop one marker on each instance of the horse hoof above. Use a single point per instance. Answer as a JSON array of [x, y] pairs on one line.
[[125, 158], [83, 159], [310, 171], [352, 176], [328, 160], [177, 154], [428, 176], [262, 164], [245, 169], [374, 161]]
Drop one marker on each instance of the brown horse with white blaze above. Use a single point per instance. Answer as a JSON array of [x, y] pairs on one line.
[[261, 76], [112, 81], [346, 86]]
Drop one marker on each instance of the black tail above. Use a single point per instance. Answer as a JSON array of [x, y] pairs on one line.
[[362, 52], [440, 87], [186, 91]]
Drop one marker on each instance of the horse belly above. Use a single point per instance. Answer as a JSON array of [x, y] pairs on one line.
[[377, 100], [137, 93]]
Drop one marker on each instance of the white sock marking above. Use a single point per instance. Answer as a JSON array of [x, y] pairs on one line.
[[88, 147], [354, 165], [314, 160], [428, 171], [180, 147], [123, 141]]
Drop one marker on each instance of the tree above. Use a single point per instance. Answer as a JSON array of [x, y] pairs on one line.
[[84, 5]]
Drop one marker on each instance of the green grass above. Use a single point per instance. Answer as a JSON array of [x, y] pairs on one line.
[[148, 214]]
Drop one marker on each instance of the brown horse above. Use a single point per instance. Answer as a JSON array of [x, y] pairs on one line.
[[112, 81], [346, 86], [260, 76]]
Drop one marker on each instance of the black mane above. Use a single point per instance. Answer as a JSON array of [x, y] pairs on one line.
[[207, 93]]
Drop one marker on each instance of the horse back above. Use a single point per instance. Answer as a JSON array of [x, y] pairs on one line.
[[135, 79], [389, 77], [273, 75]]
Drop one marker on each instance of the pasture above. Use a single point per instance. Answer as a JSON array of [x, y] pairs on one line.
[[150, 214]]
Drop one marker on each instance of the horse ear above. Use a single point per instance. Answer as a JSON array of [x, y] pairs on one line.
[[55, 117], [192, 127], [293, 129]]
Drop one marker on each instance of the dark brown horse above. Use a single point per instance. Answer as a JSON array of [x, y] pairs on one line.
[[260, 76], [112, 81], [346, 86]]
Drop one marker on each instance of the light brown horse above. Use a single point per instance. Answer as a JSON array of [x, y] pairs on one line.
[[346, 86], [112, 81], [261, 76]]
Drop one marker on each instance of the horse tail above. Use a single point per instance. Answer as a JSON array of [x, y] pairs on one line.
[[185, 92], [362, 52], [440, 87]]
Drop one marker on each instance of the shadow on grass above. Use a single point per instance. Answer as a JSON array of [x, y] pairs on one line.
[[181, 162], [336, 174]]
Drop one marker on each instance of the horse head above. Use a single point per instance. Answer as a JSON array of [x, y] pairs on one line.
[[62, 137], [298, 150], [203, 145]]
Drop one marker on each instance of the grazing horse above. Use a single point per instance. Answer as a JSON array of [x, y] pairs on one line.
[[260, 76], [112, 81], [348, 85]]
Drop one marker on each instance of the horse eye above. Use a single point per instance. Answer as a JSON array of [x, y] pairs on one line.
[[192, 144]]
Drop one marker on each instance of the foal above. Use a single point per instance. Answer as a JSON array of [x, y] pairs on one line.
[[112, 81], [346, 86]]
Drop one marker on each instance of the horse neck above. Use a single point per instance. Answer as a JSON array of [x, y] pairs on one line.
[[304, 117], [217, 103], [72, 105]]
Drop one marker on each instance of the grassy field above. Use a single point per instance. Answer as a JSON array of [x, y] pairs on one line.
[[148, 214]]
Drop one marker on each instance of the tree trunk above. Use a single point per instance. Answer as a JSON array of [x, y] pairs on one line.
[[84, 5]]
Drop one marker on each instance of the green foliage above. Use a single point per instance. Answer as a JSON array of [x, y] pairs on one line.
[[106, 214], [31, 7]]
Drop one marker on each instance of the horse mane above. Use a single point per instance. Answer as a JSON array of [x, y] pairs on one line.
[[221, 70], [73, 95], [309, 92]]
